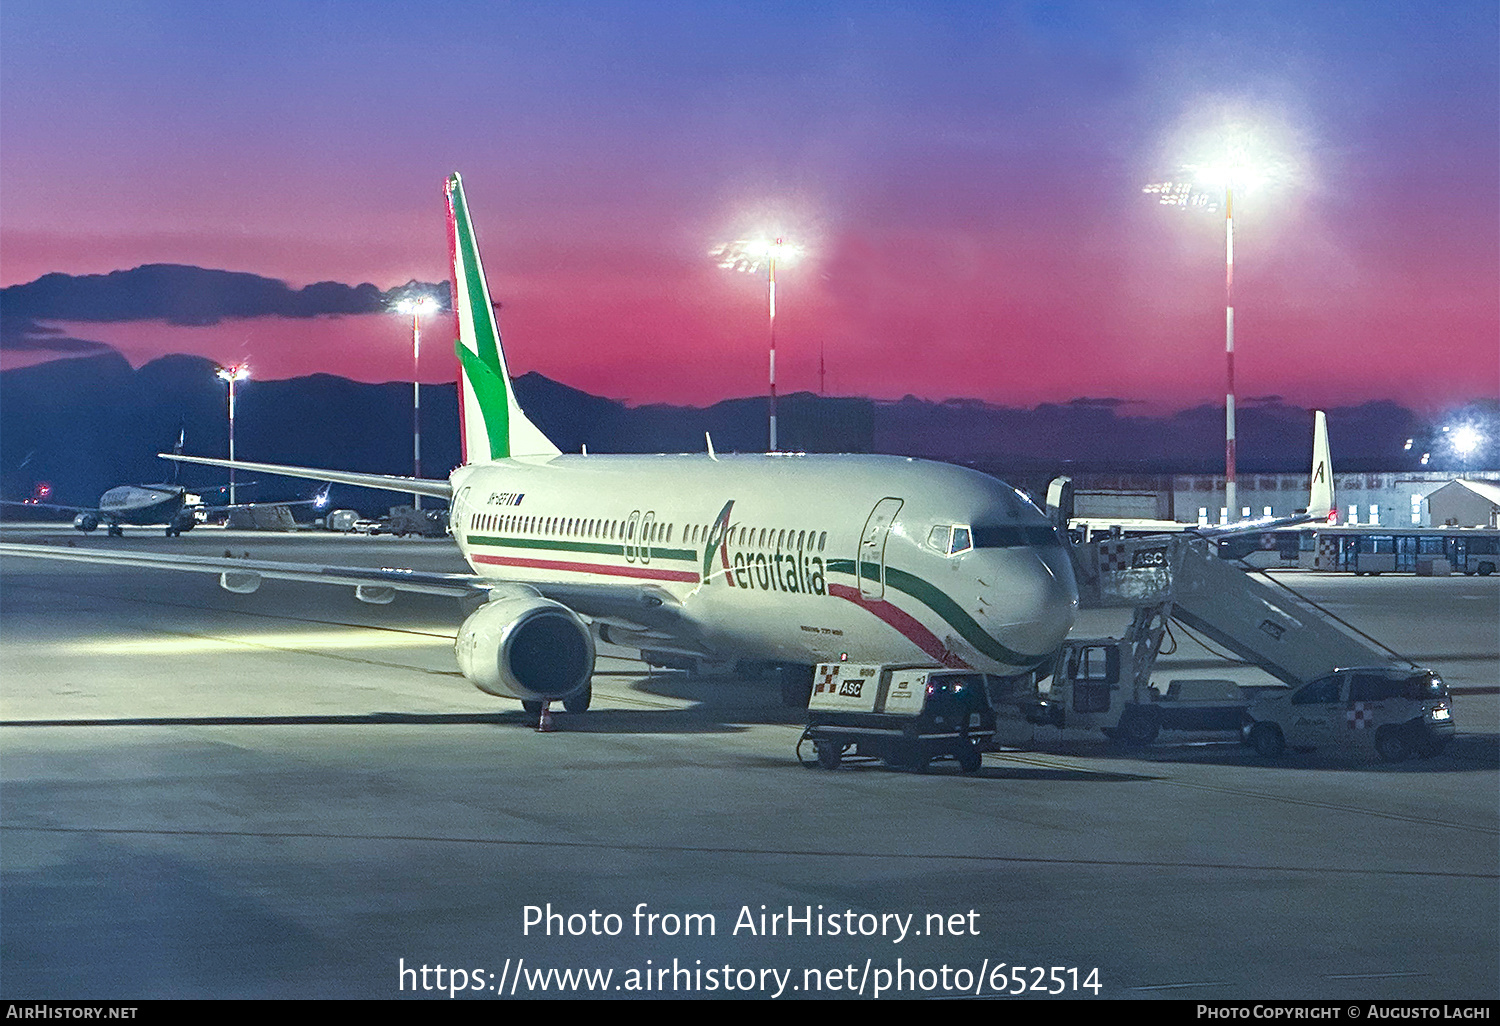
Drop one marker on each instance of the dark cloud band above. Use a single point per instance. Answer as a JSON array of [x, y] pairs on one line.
[[179, 295]]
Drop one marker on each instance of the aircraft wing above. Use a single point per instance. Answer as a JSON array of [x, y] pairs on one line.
[[640, 607], [1217, 532], [321, 499], [54, 506], [246, 572], [637, 607], [388, 482]]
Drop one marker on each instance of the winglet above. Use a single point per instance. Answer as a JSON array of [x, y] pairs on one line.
[[1320, 496], [494, 426]]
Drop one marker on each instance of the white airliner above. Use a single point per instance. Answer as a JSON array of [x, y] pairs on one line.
[[166, 505], [776, 558], [149, 505]]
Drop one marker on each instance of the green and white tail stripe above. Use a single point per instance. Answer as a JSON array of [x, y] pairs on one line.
[[494, 426]]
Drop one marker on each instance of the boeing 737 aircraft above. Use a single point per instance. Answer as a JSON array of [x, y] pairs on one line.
[[153, 505], [777, 558], [167, 504]]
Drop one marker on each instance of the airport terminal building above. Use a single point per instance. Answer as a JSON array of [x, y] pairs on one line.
[[1390, 499]]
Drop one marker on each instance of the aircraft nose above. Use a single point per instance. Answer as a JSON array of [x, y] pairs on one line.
[[1034, 603]]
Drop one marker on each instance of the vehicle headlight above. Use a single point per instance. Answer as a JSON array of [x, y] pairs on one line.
[[1442, 712]]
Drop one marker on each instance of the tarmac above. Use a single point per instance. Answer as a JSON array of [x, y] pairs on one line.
[[294, 794]]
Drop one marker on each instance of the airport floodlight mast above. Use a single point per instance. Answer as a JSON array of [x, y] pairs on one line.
[[1194, 194], [748, 255], [417, 306], [1464, 440], [231, 374]]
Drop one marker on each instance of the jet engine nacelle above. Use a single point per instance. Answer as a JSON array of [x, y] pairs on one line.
[[525, 647], [85, 522]]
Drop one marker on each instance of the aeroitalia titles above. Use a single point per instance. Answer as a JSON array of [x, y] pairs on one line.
[[789, 570]]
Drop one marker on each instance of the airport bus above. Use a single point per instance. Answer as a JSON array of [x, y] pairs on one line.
[[1372, 549]]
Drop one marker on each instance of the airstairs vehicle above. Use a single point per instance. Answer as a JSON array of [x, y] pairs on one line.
[[1105, 683]]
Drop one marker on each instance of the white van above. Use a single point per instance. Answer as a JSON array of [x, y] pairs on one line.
[[1399, 712]]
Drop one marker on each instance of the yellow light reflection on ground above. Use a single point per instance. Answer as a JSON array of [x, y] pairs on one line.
[[299, 641]]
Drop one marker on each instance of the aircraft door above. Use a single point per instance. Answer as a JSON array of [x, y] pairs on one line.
[[632, 526], [648, 525], [458, 516], [870, 563]]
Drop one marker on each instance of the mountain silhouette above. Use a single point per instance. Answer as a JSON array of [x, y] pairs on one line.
[[89, 423]]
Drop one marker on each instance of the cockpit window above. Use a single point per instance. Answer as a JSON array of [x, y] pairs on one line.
[[1011, 536], [956, 538]]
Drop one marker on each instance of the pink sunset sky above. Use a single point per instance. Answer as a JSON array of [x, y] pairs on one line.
[[967, 181]]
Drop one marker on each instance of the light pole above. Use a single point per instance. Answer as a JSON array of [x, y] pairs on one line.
[[748, 255], [231, 374], [416, 307], [1464, 440], [1229, 483], [1200, 193]]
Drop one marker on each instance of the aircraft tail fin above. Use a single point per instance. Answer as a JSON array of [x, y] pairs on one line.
[[494, 426], [1320, 497], [1320, 508]]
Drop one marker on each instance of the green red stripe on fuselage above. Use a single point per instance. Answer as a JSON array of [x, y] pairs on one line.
[[645, 573], [630, 569], [907, 625], [935, 599], [923, 592]]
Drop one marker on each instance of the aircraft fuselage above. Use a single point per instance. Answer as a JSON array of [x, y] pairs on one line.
[[790, 558], [142, 504]]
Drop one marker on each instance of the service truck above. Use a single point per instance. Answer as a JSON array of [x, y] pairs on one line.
[[341, 520], [405, 520], [1096, 683], [905, 714]]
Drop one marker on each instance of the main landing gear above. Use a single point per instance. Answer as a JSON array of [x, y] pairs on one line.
[[578, 702]]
